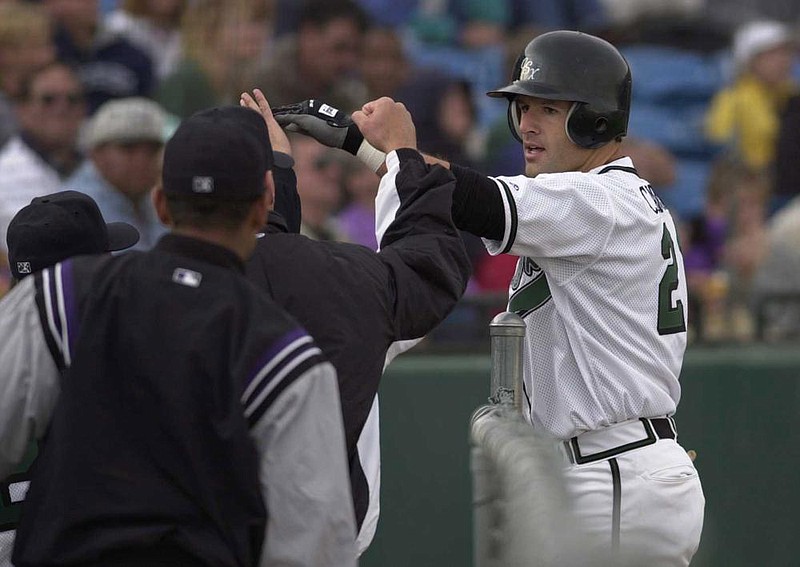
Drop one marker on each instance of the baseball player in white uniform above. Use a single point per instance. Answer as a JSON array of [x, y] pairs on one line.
[[601, 287]]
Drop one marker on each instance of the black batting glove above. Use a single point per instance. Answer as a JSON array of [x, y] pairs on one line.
[[326, 124]]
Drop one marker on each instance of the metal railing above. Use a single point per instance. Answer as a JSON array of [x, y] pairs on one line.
[[518, 500]]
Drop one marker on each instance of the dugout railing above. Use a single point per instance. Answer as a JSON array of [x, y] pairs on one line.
[[517, 498]]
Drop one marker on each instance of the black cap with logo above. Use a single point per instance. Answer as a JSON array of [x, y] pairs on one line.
[[219, 152], [55, 227]]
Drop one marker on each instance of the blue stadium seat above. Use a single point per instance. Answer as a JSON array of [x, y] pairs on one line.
[[672, 89], [686, 197], [672, 77], [482, 68], [677, 128]]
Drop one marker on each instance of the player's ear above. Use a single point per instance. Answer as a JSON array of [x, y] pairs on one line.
[[263, 205], [269, 190], [160, 204]]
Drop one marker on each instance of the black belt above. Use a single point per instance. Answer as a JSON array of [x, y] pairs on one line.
[[655, 429]]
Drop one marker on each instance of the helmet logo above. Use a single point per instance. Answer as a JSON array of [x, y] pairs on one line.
[[527, 70]]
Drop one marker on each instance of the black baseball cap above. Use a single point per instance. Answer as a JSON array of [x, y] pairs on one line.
[[55, 227], [219, 152]]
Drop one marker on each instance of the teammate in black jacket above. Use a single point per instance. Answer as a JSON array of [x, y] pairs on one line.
[[357, 303], [50, 229], [190, 421]]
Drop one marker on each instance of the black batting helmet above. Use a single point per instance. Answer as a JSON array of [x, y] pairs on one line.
[[578, 67]]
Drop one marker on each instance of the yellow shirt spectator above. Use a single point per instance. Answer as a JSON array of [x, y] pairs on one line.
[[747, 116]]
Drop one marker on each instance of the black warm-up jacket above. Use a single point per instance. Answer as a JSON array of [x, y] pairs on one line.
[[356, 302]]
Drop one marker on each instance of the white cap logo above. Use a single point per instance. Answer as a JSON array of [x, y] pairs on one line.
[[203, 184], [527, 71], [24, 267], [186, 277]]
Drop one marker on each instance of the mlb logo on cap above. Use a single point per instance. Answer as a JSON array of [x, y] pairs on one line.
[[203, 184], [187, 277], [58, 226], [221, 153]]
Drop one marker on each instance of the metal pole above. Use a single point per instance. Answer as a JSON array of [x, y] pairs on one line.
[[507, 332], [484, 504]]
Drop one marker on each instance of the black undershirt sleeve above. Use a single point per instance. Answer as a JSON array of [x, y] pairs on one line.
[[477, 204], [287, 201]]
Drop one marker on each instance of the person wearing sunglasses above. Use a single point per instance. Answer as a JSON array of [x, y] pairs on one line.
[[50, 110]]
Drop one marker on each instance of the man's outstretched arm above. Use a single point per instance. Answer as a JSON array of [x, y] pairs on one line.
[[384, 125]]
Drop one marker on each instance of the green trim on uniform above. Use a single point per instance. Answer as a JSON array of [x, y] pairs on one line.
[[531, 296]]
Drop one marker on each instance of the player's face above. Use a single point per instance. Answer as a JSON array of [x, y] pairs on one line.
[[546, 147]]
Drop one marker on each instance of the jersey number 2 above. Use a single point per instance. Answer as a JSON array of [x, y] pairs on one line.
[[670, 319]]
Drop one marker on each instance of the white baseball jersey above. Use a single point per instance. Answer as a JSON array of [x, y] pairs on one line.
[[601, 286]]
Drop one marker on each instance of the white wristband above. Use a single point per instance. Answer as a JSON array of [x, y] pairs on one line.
[[372, 157]]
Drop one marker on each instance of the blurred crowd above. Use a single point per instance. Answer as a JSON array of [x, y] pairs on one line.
[[91, 89]]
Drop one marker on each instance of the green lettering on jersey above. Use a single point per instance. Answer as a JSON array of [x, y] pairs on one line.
[[10, 508], [530, 296], [671, 318]]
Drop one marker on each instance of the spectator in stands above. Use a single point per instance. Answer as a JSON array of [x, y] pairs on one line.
[[780, 273], [446, 112], [50, 110], [26, 44], [447, 125], [787, 158], [745, 247], [724, 249], [356, 220], [703, 237], [745, 115], [223, 40], [447, 119], [655, 162], [124, 141], [154, 27], [447, 115], [385, 68], [320, 60], [319, 184], [109, 66]]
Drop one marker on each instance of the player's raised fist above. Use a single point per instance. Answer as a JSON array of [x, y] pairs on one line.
[[386, 124]]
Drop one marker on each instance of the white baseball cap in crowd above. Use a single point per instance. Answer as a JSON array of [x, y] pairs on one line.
[[123, 120], [757, 37]]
